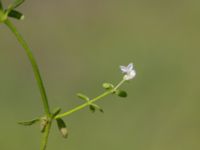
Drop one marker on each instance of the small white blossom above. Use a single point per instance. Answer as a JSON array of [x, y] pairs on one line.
[[129, 71]]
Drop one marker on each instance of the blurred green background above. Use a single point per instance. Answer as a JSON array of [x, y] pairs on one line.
[[79, 44]]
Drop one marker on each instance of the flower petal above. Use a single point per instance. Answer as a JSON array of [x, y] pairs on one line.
[[130, 75], [130, 67], [123, 69]]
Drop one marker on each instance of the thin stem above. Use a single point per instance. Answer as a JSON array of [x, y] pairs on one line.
[[90, 102], [119, 84], [45, 136], [83, 105], [34, 65]]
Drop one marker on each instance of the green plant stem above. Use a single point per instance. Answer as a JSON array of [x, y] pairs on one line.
[[91, 101], [119, 84], [45, 136], [34, 65], [83, 105]]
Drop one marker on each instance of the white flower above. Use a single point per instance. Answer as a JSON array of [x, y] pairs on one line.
[[129, 71]]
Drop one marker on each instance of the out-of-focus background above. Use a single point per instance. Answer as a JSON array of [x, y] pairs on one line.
[[79, 45]]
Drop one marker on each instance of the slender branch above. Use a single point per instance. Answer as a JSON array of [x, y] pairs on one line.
[[45, 136], [83, 105], [119, 84], [91, 101], [34, 65]]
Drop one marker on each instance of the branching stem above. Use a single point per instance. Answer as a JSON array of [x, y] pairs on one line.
[[91, 101]]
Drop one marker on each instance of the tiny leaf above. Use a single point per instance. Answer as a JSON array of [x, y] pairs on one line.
[[95, 106], [62, 127], [17, 3], [56, 112], [92, 108], [16, 14], [14, 5], [108, 86], [82, 96], [30, 122], [121, 93]]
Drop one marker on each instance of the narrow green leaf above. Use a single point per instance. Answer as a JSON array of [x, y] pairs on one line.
[[121, 93], [62, 127], [92, 108], [17, 3], [97, 107], [108, 86], [16, 14], [30, 122], [56, 112], [14, 5], [82, 96]]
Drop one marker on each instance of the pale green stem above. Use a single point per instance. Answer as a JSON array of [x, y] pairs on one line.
[[34, 65], [119, 84], [91, 101], [45, 136]]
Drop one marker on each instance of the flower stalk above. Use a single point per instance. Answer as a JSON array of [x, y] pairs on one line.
[[84, 105]]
